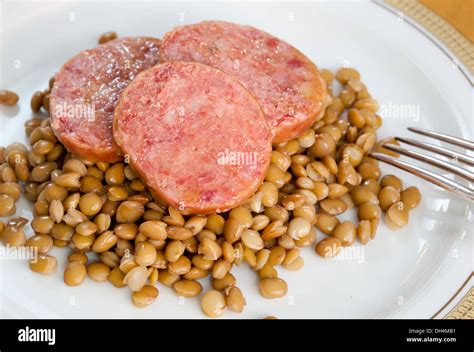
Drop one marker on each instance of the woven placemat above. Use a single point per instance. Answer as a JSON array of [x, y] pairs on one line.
[[464, 309], [459, 45], [461, 304]]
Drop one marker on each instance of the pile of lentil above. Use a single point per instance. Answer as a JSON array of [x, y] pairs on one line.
[[105, 211]]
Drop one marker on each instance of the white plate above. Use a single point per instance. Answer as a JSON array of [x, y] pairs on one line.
[[410, 273]]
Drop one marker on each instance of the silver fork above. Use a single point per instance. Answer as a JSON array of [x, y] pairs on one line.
[[465, 191]]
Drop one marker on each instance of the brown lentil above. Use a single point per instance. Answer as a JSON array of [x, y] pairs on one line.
[[127, 231], [127, 262], [411, 197], [234, 299], [195, 224], [7, 205], [116, 277], [216, 224], [187, 288], [249, 257], [175, 218], [8, 174], [36, 101], [136, 278], [388, 196], [11, 189], [397, 216], [202, 263], [345, 232], [328, 247], [220, 268], [295, 265], [368, 211], [267, 271], [191, 245], [272, 287], [369, 170], [43, 147], [213, 303], [129, 211], [261, 258], [333, 206], [8, 97], [343, 75], [153, 277], [174, 250], [145, 253], [178, 233], [252, 239], [114, 175], [181, 266], [228, 251], [274, 230], [364, 231], [328, 76], [307, 240], [277, 212], [77, 257], [393, 181], [275, 175], [104, 242], [74, 274], [145, 296], [195, 274], [167, 278], [82, 242], [223, 283], [372, 185], [46, 102], [74, 217], [298, 227], [43, 243], [362, 194], [107, 36], [44, 264], [209, 249], [98, 271], [90, 204], [111, 259], [13, 234], [242, 215]]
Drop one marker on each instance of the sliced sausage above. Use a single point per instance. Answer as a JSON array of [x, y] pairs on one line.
[[288, 86], [195, 135], [87, 88]]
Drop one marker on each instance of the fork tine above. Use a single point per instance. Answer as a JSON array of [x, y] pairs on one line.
[[444, 137], [427, 175], [438, 150], [432, 161]]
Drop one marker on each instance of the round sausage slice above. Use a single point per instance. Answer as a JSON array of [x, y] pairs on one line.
[[195, 135], [288, 86], [87, 88]]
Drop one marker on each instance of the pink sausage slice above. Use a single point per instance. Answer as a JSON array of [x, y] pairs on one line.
[[195, 135], [87, 88], [288, 86]]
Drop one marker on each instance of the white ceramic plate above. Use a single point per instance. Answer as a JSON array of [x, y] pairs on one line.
[[410, 273]]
